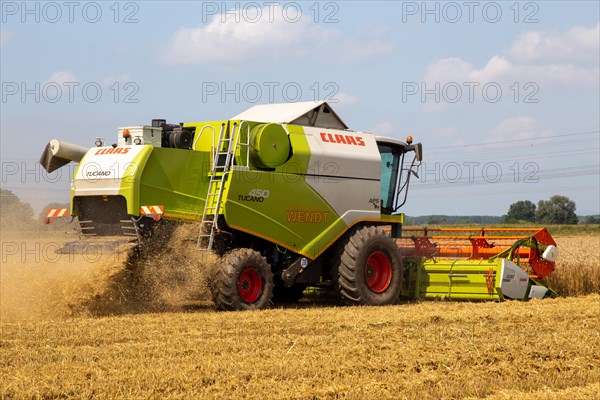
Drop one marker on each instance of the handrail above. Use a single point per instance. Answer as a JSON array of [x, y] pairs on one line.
[[247, 143], [200, 134]]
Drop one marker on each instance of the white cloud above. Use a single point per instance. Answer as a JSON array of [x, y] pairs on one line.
[[5, 36], [232, 42], [501, 70], [60, 77], [343, 100], [577, 44], [497, 68], [522, 127], [385, 128], [549, 59]]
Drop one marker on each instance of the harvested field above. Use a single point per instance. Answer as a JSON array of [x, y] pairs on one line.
[[133, 329], [539, 349]]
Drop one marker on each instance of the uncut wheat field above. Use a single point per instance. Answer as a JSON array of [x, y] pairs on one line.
[[71, 328]]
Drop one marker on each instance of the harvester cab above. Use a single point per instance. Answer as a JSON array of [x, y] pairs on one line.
[[396, 171], [287, 194]]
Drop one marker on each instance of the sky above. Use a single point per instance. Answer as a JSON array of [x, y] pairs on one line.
[[504, 96]]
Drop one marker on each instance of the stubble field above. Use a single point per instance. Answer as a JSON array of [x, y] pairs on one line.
[[108, 330]]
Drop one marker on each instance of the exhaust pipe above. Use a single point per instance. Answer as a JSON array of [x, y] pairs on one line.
[[58, 154]]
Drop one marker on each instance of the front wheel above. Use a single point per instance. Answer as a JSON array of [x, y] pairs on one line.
[[243, 281], [370, 268]]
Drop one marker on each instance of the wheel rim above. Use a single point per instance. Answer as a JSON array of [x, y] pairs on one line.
[[249, 285], [378, 272]]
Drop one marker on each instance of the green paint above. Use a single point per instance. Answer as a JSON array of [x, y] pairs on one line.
[[270, 145], [454, 279], [176, 179], [130, 182], [280, 207]]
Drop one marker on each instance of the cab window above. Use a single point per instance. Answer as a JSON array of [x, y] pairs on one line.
[[389, 177]]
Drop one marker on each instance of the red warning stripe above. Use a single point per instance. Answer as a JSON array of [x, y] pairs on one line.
[[152, 210], [57, 212]]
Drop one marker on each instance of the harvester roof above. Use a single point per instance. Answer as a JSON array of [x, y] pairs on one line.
[[308, 113]]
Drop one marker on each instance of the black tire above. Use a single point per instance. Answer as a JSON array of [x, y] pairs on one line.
[[370, 269], [288, 295], [243, 281]]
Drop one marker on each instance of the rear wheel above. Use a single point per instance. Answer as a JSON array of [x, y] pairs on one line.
[[243, 281], [370, 269]]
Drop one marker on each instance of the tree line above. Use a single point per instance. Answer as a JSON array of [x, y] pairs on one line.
[[558, 210], [18, 215]]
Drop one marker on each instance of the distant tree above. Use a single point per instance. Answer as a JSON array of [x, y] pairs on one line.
[[521, 211], [452, 220], [14, 214], [437, 220], [590, 219], [8, 198], [475, 219], [557, 210]]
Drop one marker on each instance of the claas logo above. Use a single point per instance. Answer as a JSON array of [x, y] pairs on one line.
[[342, 139], [112, 150]]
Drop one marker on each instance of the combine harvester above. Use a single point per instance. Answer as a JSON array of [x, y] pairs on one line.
[[291, 198]]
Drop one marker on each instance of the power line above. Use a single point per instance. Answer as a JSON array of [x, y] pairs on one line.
[[522, 157], [515, 140], [519, 177], [487, 193], [539, 146]]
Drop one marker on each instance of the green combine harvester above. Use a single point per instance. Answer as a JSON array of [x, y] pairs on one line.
[[291, 198]]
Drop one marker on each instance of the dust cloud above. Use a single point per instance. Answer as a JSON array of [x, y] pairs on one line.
[[165, 273]]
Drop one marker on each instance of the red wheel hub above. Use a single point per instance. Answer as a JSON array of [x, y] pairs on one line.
[[378, 272], [249, 285]]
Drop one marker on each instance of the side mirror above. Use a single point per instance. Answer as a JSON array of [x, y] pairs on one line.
[[419, 152]]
